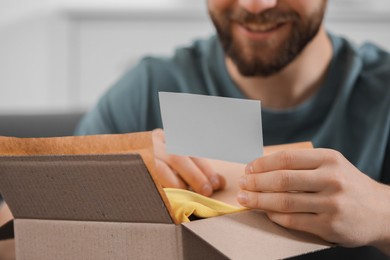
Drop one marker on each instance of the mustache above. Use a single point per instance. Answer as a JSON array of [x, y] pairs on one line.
[[269, 16]]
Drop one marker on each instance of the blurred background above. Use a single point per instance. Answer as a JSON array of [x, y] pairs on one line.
[[59, 56]]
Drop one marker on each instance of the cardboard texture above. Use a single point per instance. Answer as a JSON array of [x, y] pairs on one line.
[[250, 235], [139, 143], [39, 239], [108, 205], [84, 187]]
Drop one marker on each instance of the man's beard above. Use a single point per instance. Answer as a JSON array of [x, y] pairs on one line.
[[267, 57]]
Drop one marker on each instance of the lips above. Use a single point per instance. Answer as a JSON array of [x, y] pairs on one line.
[[261, 28]]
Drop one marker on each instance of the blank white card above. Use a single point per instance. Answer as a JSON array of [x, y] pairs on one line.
[[220, 128]]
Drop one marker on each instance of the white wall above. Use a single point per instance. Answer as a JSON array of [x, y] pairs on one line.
[[43, 47], [15, 10], [11, 10]]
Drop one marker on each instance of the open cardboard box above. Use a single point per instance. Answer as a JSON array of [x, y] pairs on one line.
[[97, 197]]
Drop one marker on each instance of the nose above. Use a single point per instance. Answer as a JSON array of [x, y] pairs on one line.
[[257, 6]]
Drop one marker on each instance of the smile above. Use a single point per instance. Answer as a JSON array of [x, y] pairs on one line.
[[261, 28], [258, 32]]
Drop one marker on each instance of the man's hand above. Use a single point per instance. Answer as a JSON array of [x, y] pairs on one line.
[[320, 192], [183, 172], [5, 214]]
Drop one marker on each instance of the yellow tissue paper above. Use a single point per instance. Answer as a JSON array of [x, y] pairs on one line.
[[185, 203]]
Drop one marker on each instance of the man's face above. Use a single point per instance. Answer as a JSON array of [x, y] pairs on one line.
[[264, 36]]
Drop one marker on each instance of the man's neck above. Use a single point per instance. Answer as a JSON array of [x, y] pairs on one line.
[[295, 83]]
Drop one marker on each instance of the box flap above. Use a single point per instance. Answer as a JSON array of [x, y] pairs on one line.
[[81, 187], [83, 240], [140, 143], [251, 235]]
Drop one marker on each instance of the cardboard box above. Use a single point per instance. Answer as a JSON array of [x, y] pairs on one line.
[[97, 197]]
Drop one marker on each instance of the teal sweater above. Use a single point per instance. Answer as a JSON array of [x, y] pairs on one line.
[[349, 113]]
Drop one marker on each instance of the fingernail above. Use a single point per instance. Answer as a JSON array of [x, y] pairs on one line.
[[207, 190], [249, 169], [242, 197], [215, 181], [243, 182]]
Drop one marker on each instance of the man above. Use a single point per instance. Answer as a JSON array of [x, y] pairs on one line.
[[313, 86]]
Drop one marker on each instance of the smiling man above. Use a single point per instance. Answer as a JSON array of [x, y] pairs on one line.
[[313, 86], [280, 33]]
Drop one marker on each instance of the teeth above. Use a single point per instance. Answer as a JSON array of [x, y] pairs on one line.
[[260, 27]]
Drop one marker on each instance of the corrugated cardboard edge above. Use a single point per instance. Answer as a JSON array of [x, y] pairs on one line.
[[140, 143]]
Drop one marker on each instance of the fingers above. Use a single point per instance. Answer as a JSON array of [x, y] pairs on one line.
[[191, 174], [304, 159], [167, 177], [317, 191], [297, 202], [217, 181], [183, 171], [282, 181]]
